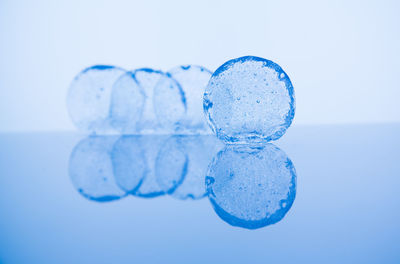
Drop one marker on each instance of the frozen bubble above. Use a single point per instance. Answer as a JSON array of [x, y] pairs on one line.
[[169, 104], [182, 164], [129, 163], [251, 187], [89, 96], [193, 80], [91, 170], [249, 99], [127, 102]]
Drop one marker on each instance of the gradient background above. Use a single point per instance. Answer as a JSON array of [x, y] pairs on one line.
[[343, 60], [342, 56]]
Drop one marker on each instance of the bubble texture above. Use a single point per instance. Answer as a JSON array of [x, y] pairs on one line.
[[89, 96], [250, 186], [249, 99], [193, 80]]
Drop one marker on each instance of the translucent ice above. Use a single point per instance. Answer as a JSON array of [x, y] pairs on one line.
[[91, 170], [127, 102], [251, 187], [147, 79], [169, 104], [193, 80], [159, 88], [89, 96], [249, 99], [182, 163]]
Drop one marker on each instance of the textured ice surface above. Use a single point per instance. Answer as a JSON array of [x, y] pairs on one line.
[[169, 104], [127, 102], [89, 96], [159, 88], [91, 170], [182, 164], [129, 163], [249, 99], [251, 187], [193, 80]]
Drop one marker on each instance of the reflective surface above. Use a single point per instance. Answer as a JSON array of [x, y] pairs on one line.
[[251, 186], [326, 194]]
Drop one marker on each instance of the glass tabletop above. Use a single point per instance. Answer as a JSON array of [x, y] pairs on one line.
[[320, 194]]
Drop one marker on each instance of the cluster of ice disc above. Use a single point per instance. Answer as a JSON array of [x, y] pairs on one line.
[[110, 100], [162, 119]]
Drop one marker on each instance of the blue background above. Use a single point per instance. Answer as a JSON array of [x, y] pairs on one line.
[[342, 56]]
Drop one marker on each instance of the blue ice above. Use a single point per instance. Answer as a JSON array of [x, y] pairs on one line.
[[249, 99], [193, 80], [164, 92], [170, 105], [127, 103], [89, 96]]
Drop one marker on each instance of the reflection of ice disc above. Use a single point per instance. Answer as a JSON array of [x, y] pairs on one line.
[[182, 165], [89, 96], [91, 171], [129, 163], [251, 187], [127, 101], [193, 80], [150, 145]]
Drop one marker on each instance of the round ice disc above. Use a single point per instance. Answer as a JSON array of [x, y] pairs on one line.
[[127, 102], [147, 79], [89, 96], [251, 187], [169, 104], [193, 80], [249, 99], [164, 103]]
